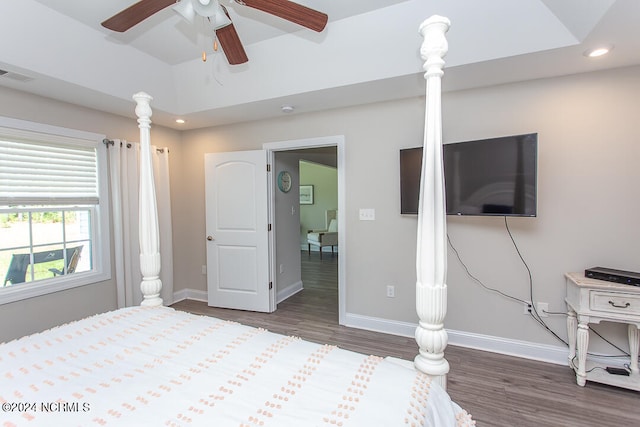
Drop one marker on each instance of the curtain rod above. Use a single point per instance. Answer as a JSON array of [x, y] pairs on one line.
[[109, 142]]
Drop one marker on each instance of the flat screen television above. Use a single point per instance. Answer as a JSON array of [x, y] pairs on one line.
[[496, 176]]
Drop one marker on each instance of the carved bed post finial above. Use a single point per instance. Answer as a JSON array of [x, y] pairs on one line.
[[431, 260], [149, 232]]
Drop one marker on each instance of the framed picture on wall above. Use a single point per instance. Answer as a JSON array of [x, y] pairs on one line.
[[306, 194]]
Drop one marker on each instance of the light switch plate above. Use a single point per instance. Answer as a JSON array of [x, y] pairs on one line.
[[367, 214]]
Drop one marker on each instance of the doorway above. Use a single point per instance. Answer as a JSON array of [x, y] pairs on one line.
[[285, 213]]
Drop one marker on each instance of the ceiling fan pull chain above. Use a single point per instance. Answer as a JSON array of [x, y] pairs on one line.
[[215, 36]]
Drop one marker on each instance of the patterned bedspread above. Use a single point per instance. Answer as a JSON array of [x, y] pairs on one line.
[[160, 367]]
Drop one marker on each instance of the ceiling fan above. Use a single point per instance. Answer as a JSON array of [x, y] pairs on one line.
[[217, 14]]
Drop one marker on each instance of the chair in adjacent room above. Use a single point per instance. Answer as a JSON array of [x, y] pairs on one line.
[[326, 237]]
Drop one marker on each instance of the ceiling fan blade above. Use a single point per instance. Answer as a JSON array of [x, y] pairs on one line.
[[230, 42], [231, 45], [290, 11], [135, 14]]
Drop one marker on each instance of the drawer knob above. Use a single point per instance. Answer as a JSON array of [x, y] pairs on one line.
[[619, 306]]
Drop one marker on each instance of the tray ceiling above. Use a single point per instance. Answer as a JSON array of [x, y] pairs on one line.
[[369, 52]]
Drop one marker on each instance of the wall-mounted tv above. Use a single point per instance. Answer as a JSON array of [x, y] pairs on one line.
[[496, 176]]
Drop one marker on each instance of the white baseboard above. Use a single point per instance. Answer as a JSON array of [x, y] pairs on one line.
[[289, 291], [517, 348], [510, 347], [376, 324], [524, 349], [197, 295], [193, 294]]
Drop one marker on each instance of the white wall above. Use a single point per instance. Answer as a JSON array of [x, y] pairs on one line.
[[588, 197]]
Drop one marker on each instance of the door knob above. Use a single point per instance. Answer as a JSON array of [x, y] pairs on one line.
[[209, 238]]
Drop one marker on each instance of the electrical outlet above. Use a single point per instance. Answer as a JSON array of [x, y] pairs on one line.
[[542, 308], [391, 291], [527, 308], [204, 270]]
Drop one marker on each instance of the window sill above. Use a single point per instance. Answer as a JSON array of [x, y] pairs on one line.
[[28, 290]]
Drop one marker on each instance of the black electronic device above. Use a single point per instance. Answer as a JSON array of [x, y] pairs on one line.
[[496, 176], [617, 371], [612, 275]]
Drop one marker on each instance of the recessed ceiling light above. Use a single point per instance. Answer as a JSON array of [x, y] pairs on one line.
[[180, 121], [287, 109], [598, 51]]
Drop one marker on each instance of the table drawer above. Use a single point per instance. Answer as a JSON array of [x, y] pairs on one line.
[[615, 302]]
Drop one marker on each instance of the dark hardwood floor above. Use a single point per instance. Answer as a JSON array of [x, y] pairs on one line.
[[496, 390]]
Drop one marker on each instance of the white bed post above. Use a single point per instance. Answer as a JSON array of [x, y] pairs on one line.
[[148, 209], [431, 261]]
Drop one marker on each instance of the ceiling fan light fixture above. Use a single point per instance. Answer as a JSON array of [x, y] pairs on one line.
[[206, 8], [210, 9]]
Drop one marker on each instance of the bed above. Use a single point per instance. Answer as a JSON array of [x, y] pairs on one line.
[[156, 366]]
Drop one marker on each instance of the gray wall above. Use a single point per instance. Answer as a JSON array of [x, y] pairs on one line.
[[588, 197], [35, 314], [588, 152], [288, 273]]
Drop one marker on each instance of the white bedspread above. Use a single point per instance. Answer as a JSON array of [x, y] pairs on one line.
[[160, 367]]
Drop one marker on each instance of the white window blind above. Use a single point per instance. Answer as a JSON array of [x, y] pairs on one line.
[[58, 172], [53, 194]]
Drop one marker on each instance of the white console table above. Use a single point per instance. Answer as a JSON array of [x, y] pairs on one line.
[[592, 301]]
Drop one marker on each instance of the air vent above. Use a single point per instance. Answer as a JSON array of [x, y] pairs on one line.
[[14, 76]]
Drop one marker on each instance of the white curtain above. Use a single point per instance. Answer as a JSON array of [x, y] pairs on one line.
[[124, 170]]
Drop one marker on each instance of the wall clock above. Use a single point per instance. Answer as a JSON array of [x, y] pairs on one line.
[[284, 181]]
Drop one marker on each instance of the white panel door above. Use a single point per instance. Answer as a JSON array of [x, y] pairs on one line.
[[237, 233]]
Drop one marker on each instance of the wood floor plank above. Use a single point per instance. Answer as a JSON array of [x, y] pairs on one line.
[[497, 390]]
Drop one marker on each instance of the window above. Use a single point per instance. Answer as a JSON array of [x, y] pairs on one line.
[[54, 222]]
